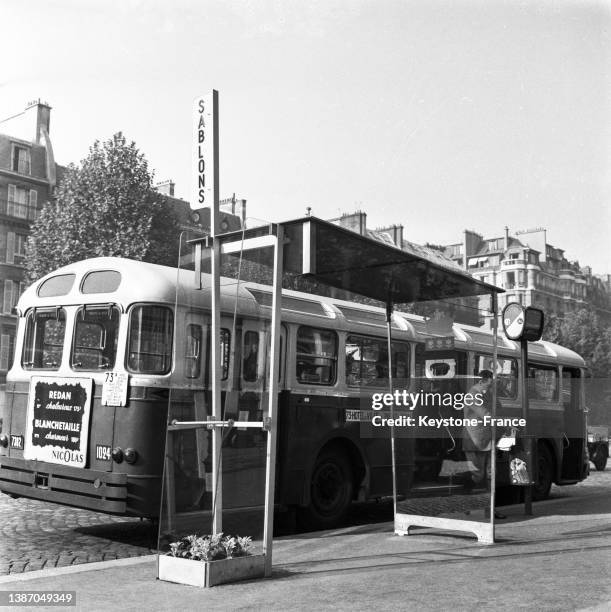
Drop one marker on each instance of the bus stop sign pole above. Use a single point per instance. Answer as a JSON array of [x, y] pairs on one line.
[[526, 325]]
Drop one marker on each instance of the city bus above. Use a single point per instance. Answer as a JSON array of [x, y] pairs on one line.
[[106, 346]]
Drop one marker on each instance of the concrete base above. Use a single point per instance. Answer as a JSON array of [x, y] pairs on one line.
[[483, 531]]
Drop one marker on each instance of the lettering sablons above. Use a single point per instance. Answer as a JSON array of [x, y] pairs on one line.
[[201, 161]]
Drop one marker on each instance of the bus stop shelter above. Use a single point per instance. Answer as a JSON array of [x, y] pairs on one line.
[[329, 255]]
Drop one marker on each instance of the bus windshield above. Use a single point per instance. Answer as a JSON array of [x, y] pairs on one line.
[[44, 339], [95, 338]]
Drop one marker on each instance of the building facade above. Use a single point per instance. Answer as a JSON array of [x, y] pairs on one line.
[[464, 310], [532, 272], [28, 178], [529, 269]]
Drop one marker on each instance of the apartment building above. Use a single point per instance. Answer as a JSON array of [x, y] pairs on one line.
[[462, 310], [28, 178], [532, 272]]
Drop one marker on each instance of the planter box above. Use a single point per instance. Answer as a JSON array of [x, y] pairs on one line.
[[210, 573]]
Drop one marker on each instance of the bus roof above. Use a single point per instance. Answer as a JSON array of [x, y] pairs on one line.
[[95, 280]]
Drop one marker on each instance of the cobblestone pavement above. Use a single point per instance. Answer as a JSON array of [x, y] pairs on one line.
[[37, 535]]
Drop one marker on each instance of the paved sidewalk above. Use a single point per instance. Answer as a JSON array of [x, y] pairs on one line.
[[557, 560]]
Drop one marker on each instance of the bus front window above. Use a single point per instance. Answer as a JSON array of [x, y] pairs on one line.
[[95, 338], [150, 340], [44, 339]]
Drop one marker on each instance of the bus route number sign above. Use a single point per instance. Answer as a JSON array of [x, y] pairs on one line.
[[114, 389]]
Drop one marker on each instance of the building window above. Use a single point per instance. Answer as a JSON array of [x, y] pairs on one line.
[[15, 248], [21, 160], [12, 292], [7, 350], [21, 202]]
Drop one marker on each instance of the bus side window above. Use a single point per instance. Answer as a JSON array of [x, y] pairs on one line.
[[150, 340], [193, 350], [506, 374], [542, 382], [250, 356], [316, 356], [571, 398], [225, 352], [367, 361]]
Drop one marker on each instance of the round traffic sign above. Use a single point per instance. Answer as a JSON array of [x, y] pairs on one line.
[[513, 320]]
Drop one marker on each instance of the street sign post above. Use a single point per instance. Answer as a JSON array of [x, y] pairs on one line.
[[526, 325]]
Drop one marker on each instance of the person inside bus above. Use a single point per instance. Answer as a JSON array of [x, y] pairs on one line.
[[381, 369], [250, 363], [477, 439]]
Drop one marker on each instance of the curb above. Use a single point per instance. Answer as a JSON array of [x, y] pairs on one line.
[[75, 569]]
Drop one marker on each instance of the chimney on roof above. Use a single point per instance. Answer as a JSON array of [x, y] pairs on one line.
[[166, 187], [43, 118], [395, 232], [357, 222], [506, 237]]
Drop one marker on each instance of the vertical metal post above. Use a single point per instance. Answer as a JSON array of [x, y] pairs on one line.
[[198, 265], [495, 337], [392, 410], [528, 446], [215, 344], [274, 370]]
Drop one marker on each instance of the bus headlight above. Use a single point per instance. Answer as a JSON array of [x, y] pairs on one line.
[[117, 454], [131, 456], [3, 440]]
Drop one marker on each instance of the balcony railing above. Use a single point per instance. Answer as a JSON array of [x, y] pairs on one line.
[[19, 210], [513, 262]]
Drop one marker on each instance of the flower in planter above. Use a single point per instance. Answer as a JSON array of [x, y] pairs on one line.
[[243, 546], [211, 547]]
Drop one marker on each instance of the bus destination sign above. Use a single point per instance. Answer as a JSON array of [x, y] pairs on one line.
[[58, 420]]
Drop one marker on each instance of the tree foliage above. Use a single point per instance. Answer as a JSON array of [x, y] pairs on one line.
[[104, 207], [585, 333]]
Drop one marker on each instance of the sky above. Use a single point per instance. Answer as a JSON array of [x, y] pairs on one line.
[[438, 116]]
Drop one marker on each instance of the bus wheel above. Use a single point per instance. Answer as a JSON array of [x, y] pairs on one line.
[[545, 475], [330, 491], [599, 459]]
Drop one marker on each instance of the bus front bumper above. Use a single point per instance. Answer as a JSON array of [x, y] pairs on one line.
[[100, 491]]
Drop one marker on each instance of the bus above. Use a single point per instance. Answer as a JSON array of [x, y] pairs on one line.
[[110, 350]]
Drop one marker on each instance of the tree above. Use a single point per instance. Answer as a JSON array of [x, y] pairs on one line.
[[105, 207], [583, 332]]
